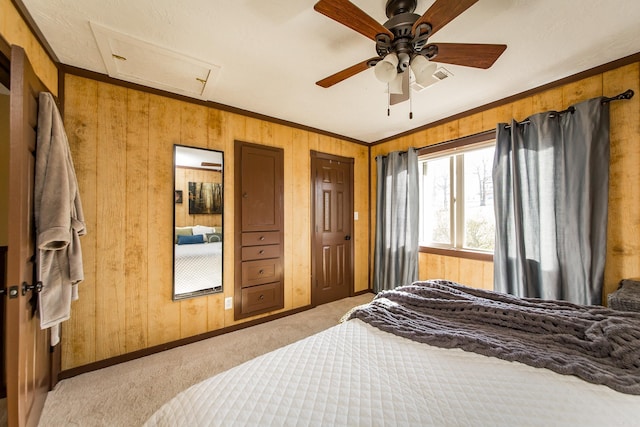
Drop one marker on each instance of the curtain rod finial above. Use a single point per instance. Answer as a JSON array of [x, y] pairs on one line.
[[628, 94]]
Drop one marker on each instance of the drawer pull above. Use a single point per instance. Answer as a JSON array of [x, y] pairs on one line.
[[261, 251], [261, 238], [261, 272], [261, 297]]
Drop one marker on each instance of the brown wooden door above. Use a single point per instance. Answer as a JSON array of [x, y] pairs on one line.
[[262, 188], [27, 358], [332, 254]]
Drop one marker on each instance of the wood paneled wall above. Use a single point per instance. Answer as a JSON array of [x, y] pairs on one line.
[[623, 242], [15, 31], [122, 145], [182, 216]]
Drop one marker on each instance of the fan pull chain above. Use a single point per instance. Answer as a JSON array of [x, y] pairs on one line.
[[388, 100], [410, 98]]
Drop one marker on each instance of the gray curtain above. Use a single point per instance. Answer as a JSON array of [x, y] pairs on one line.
[[551, 180], [396, 247]]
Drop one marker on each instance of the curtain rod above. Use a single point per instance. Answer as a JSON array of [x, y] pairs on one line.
[[459, 142], [479, 137], [628, 94]]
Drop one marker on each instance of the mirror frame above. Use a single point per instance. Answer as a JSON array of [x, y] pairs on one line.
[[205, 291]]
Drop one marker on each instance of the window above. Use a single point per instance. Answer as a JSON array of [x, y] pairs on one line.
[[456, 198]]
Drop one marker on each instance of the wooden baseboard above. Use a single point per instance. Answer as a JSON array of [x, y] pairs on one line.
[[68, 373]]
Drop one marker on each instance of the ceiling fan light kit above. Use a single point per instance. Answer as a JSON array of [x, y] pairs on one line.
[[401, 43], [423, 71], [387, 69]]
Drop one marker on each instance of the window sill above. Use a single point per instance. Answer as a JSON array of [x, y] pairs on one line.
[[458, 253]]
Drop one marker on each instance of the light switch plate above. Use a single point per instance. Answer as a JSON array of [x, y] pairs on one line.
[[228, 303], [355, 216]]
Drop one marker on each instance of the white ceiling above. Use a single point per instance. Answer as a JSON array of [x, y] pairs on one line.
[[271, 52], [194, 157]]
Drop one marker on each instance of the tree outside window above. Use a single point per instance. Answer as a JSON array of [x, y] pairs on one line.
[[456, 206]]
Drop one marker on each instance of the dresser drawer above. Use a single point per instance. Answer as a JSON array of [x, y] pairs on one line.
[[261, 238], [262, 271], [260, 252], [262, 298]]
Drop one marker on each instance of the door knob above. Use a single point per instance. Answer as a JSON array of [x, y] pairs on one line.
[[347, 237]]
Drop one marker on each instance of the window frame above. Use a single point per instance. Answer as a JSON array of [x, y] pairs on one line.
[[453, 145]]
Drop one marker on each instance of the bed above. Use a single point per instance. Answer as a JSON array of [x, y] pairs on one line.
[[400, 361], [198, 268]]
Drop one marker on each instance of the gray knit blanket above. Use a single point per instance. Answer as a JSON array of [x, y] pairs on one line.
[[597, 344]]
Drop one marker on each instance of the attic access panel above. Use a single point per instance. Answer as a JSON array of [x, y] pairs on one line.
[[133, 60]]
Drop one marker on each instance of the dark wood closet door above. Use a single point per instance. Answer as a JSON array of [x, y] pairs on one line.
[[332, 266], [262, 188], [27, 358], [259, 203]]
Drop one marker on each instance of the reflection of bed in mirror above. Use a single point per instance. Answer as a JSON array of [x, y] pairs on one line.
[[198, 264], [198, 268], [198, 220]]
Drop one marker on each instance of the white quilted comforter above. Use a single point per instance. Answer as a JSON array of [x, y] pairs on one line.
[[354, 374], [198, 267]]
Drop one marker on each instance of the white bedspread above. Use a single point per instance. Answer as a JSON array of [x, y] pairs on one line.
[[198, 267], [354, 374]]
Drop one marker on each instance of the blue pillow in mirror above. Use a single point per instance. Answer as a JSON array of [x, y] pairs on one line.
[[189, 240]]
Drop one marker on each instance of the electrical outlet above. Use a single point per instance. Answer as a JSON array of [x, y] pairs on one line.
[[228, 303]]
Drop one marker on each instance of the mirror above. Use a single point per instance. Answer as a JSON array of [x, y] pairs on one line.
[[198, 177]]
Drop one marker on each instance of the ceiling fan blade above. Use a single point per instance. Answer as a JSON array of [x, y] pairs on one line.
[[346, 73], [468, 54], [441, 13], [348, 14]]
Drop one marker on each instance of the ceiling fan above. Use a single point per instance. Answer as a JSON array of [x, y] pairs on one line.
[[401, 43]]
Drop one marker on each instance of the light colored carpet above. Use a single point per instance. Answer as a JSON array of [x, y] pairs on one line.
[[129, 393]]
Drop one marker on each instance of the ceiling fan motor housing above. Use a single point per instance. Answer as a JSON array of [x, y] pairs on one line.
[[403, 43], [406, 44]]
